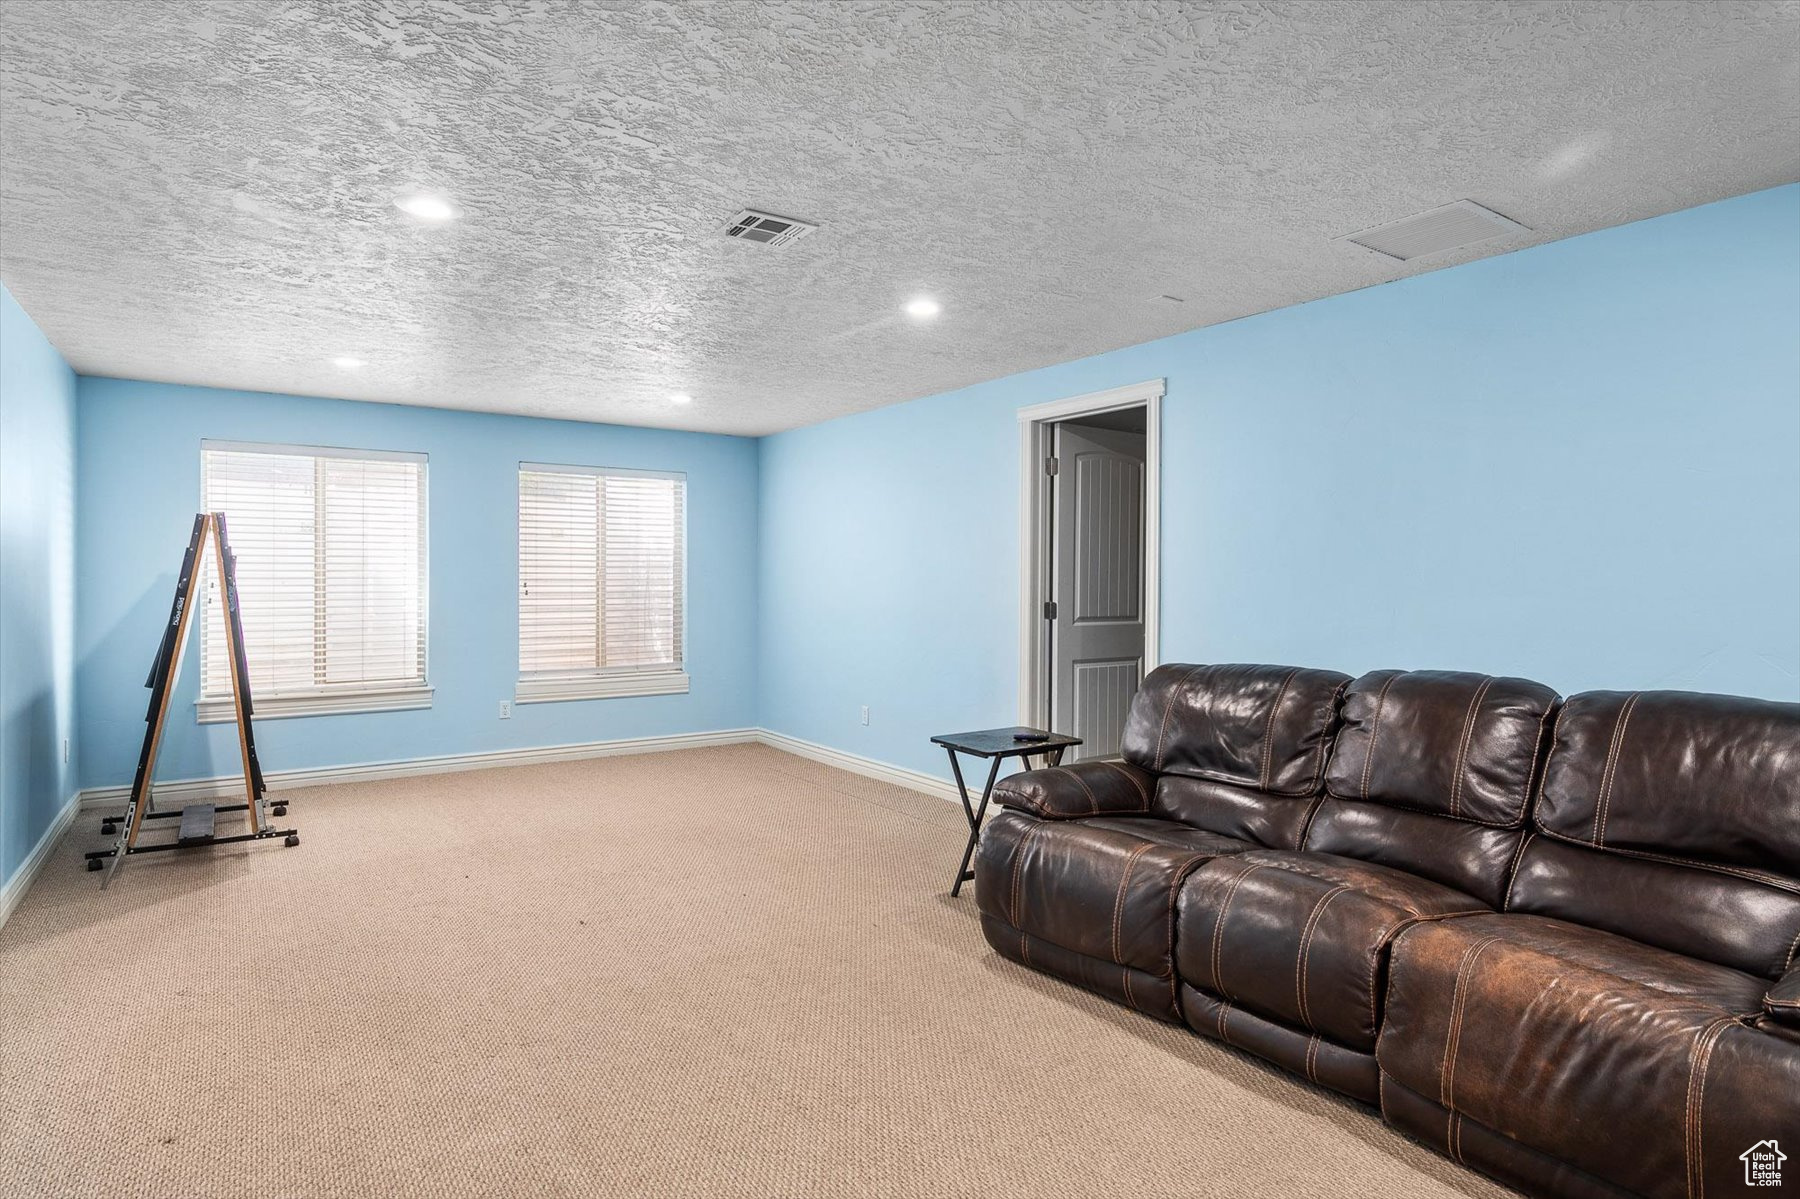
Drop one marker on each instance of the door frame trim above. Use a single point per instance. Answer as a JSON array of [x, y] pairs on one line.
[[1034, 504]]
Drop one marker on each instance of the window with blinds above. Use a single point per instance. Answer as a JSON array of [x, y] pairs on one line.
[[330, 548], [602, 582]]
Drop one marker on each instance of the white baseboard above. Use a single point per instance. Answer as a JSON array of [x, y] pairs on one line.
[[179, 791], [900, 776], [186, 790], [20, 882]]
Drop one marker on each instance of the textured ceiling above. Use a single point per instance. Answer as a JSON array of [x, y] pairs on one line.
[[202, 192]]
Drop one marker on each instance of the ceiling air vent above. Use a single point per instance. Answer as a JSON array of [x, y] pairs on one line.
[[767, 228], [1451, 227]]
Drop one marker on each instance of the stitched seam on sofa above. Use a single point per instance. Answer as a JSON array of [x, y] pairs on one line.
[[1237, 780], [1224, 1014], [1694, 1146], [1512, 871], [1312, 1058], [1169, 710], [1457, 994], [1606, 773], [1458, 1004], [1793, 1003], [1130, 999], [1312, 814], [1134, 780], [1755, 876], [1268, 748], [1025, 948], [1306, 936], [1012, 907], [1374, 729], [1326, 741], [1119, 899], [1456, 1146], [1219, 927], [1792, 951], [1462, 747], [1178, 877], [1093, 800]]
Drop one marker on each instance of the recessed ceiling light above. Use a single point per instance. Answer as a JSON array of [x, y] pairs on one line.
[[681, 397], [923, 308], [426, 206], [348, 363]]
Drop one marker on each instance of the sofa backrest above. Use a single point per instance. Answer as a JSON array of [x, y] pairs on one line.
[[1240, 750], [1432, 773], [1672, 818]]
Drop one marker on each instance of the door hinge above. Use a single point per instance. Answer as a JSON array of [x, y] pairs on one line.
[[1049, 609], [1050, 466]]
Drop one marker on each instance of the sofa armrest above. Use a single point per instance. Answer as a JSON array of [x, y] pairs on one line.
[[1084, 789], [1782, 1003]]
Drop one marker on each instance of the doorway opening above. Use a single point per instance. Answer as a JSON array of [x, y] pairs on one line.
[[1089, 566]]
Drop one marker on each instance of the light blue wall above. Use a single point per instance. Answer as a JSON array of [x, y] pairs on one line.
[[37, 583], [140, 487], [1579, 463]]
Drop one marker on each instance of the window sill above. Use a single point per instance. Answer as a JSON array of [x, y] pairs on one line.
[[282, 707], [603, 686]]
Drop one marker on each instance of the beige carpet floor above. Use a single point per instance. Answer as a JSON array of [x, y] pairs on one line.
[[717, 972]]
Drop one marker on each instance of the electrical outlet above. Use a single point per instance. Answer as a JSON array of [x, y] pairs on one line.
[[506, 709], [865, 713]]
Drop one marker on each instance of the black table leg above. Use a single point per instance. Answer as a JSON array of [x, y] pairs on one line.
[[974, 813]]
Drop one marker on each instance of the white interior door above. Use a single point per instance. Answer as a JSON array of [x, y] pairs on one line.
[[1097, 584]]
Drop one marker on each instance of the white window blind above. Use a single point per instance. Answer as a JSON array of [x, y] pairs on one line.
[[602, 580], [330, 548]]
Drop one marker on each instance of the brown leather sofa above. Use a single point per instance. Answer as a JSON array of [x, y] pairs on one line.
[[1558, 941]]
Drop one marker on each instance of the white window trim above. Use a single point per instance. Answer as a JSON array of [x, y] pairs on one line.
[[617, 683], [398, 698], [564, 468], [325, 703], [553, 689]]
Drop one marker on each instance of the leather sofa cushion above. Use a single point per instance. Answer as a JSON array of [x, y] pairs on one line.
[[1266, 727], [1711, 779], [1497, 1156], [1171, 833], [1631, 1063], [1125, 985], [1473, 858], [1100, 891], [1081, 789], [1272, 821], [1782, 1001], [1301, 938], [1453, 744], [1305, 1053], [1719, 916]]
